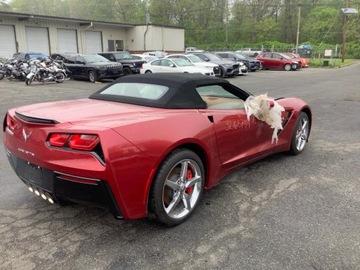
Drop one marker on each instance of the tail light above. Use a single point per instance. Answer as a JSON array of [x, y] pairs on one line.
[[10, 124], [58, 140], [85, 142]]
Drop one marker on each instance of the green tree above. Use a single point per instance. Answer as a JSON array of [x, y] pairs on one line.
[[323, 25], [216, 23]]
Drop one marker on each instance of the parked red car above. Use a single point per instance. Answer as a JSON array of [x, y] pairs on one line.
[[304, 61], [274, 60], [146, 145]]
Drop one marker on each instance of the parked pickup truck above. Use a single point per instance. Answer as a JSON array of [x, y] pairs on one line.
[[249, 52]]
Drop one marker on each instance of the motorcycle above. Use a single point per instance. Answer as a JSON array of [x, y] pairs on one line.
[[45, 71], [15, 70], [2, 72]]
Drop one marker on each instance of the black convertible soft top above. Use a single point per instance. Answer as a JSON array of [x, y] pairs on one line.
[[182, 92]]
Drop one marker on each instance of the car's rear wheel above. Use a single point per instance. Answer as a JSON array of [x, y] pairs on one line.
[[92, 76], [287, 67], [300, 134], [177, 187], [148, 71]]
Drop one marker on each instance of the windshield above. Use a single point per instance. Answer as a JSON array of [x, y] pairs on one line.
[[181, 62], [123, 56], [95, 58], [195, 59], [212, 57], [240, 56]]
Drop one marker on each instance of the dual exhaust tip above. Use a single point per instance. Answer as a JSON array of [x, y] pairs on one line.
[[43, 194]]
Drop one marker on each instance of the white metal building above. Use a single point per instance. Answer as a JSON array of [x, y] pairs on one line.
[[46, 34]]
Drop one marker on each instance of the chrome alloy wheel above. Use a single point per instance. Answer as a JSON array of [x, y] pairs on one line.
[[302, 133], [182, 188]]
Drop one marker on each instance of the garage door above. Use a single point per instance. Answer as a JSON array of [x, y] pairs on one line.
[[37, 39], [93, 42], [7, 48], [67, 41]]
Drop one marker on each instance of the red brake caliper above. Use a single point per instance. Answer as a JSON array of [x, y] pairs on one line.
[[189, 175]]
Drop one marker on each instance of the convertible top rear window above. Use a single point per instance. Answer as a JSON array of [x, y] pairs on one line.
[[164, 90], [136, 90]]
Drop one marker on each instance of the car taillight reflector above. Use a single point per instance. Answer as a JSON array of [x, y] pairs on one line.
[[58, 139], [83, 142], [10, 122]]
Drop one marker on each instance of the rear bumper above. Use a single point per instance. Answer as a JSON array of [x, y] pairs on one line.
[[59, 187]]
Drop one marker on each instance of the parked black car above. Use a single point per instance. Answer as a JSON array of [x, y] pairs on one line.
[[60, 57], [227, 68], [251, 63], [130, 65], [92, 67]]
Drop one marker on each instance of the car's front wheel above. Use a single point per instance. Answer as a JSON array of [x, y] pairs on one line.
[[177, 187], [127, 71], [148, 71], [300, 134], [287, 67], [222, 73], [92, 76]]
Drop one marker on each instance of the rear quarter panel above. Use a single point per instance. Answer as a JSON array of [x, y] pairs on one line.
[[163, 132]]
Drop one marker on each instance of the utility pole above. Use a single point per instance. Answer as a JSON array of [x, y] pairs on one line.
[[226, 22], [344, 33], [298, 29]]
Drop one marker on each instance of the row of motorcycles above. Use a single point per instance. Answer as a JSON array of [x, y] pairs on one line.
[[40, 70]]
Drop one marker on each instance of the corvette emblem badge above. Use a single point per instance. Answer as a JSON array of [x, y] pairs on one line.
[[26, 136]]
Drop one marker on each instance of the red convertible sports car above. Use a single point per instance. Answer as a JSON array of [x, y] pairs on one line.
[[145, 145]]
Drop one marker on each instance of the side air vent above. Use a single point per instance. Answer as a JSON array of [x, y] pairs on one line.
[[35, 119]]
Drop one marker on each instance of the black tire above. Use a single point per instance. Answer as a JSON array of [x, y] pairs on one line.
[[2, 75], [177, 187], [222, 73], [60, 77], [127, 71], [29, 81], [300, 134], [92, 76], [148, 71]]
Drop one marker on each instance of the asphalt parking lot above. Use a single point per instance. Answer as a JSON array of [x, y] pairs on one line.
[[284, 212]]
